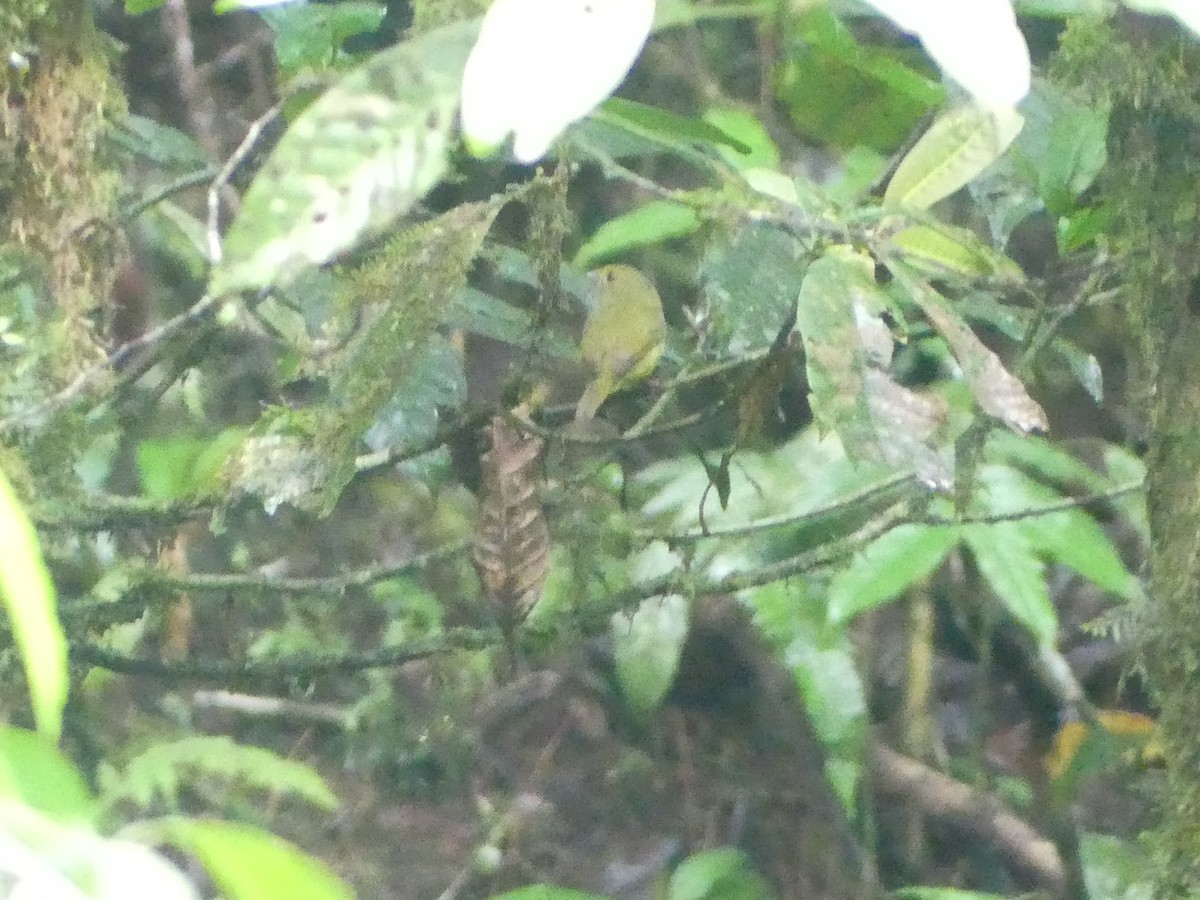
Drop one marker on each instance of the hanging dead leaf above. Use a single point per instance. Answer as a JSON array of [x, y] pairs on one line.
[[512, 543], [998, 392]]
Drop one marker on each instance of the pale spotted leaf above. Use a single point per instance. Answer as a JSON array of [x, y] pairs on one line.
[[360, 156]]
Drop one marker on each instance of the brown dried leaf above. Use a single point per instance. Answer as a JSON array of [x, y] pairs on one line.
[[998, 392], [512, 543]]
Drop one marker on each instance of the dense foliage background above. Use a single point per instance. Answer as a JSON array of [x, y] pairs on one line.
[[848, 597]]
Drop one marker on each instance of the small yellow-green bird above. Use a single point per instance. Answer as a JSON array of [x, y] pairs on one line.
[[623, 337]]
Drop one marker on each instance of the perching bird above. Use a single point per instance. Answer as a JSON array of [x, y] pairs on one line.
[[623, 337]]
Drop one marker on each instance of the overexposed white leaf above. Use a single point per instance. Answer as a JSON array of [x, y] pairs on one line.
[[540, 65], [976, 42]]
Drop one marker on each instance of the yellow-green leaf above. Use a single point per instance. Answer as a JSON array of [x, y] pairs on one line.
[[28, 596], [957, 147], [248, 863]]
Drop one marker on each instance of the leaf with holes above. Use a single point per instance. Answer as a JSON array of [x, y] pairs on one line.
[[356, 159]]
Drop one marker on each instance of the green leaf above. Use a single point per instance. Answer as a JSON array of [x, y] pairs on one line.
[[33, 772], [646, 646], [751, 287], [159, 143], [747, 128], [249, 863], [848, 350], [309, 36], [356, 159], [939, 248], [1062, 147], [137, 7], [958, 146], [181, 468], [158, 772], [1011, 567], [1070, 536], [889, 566], [491, 317], [793, 618], [1116, 869], [650, 223], [939, 893], [667, 127], [721, 874], [1015, 323], [28, 596], [846, 93]]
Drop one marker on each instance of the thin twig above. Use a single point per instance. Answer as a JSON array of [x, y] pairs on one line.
[[191, 180], [115, 360], [225, 174], [597, 616]]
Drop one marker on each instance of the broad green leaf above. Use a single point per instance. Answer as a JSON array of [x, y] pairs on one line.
[[668, 127], [1123, 467], [939, 893], [940, 249], [848, 349], [650, 223], [491, 317], [745, 127], [181, 467], [28, 597], [309, 36], [839, 289], [1053, 462], [1083, 226], [751, 287], [248, 863], [998, 392], [1070, 536], [360, 156], [33, 772], [959, 145], [159, 143], [846, 93], [721, 874], [1010, 565], [1062, 147], [436, 386], [978, 44], [889, 566], [646, 647]]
